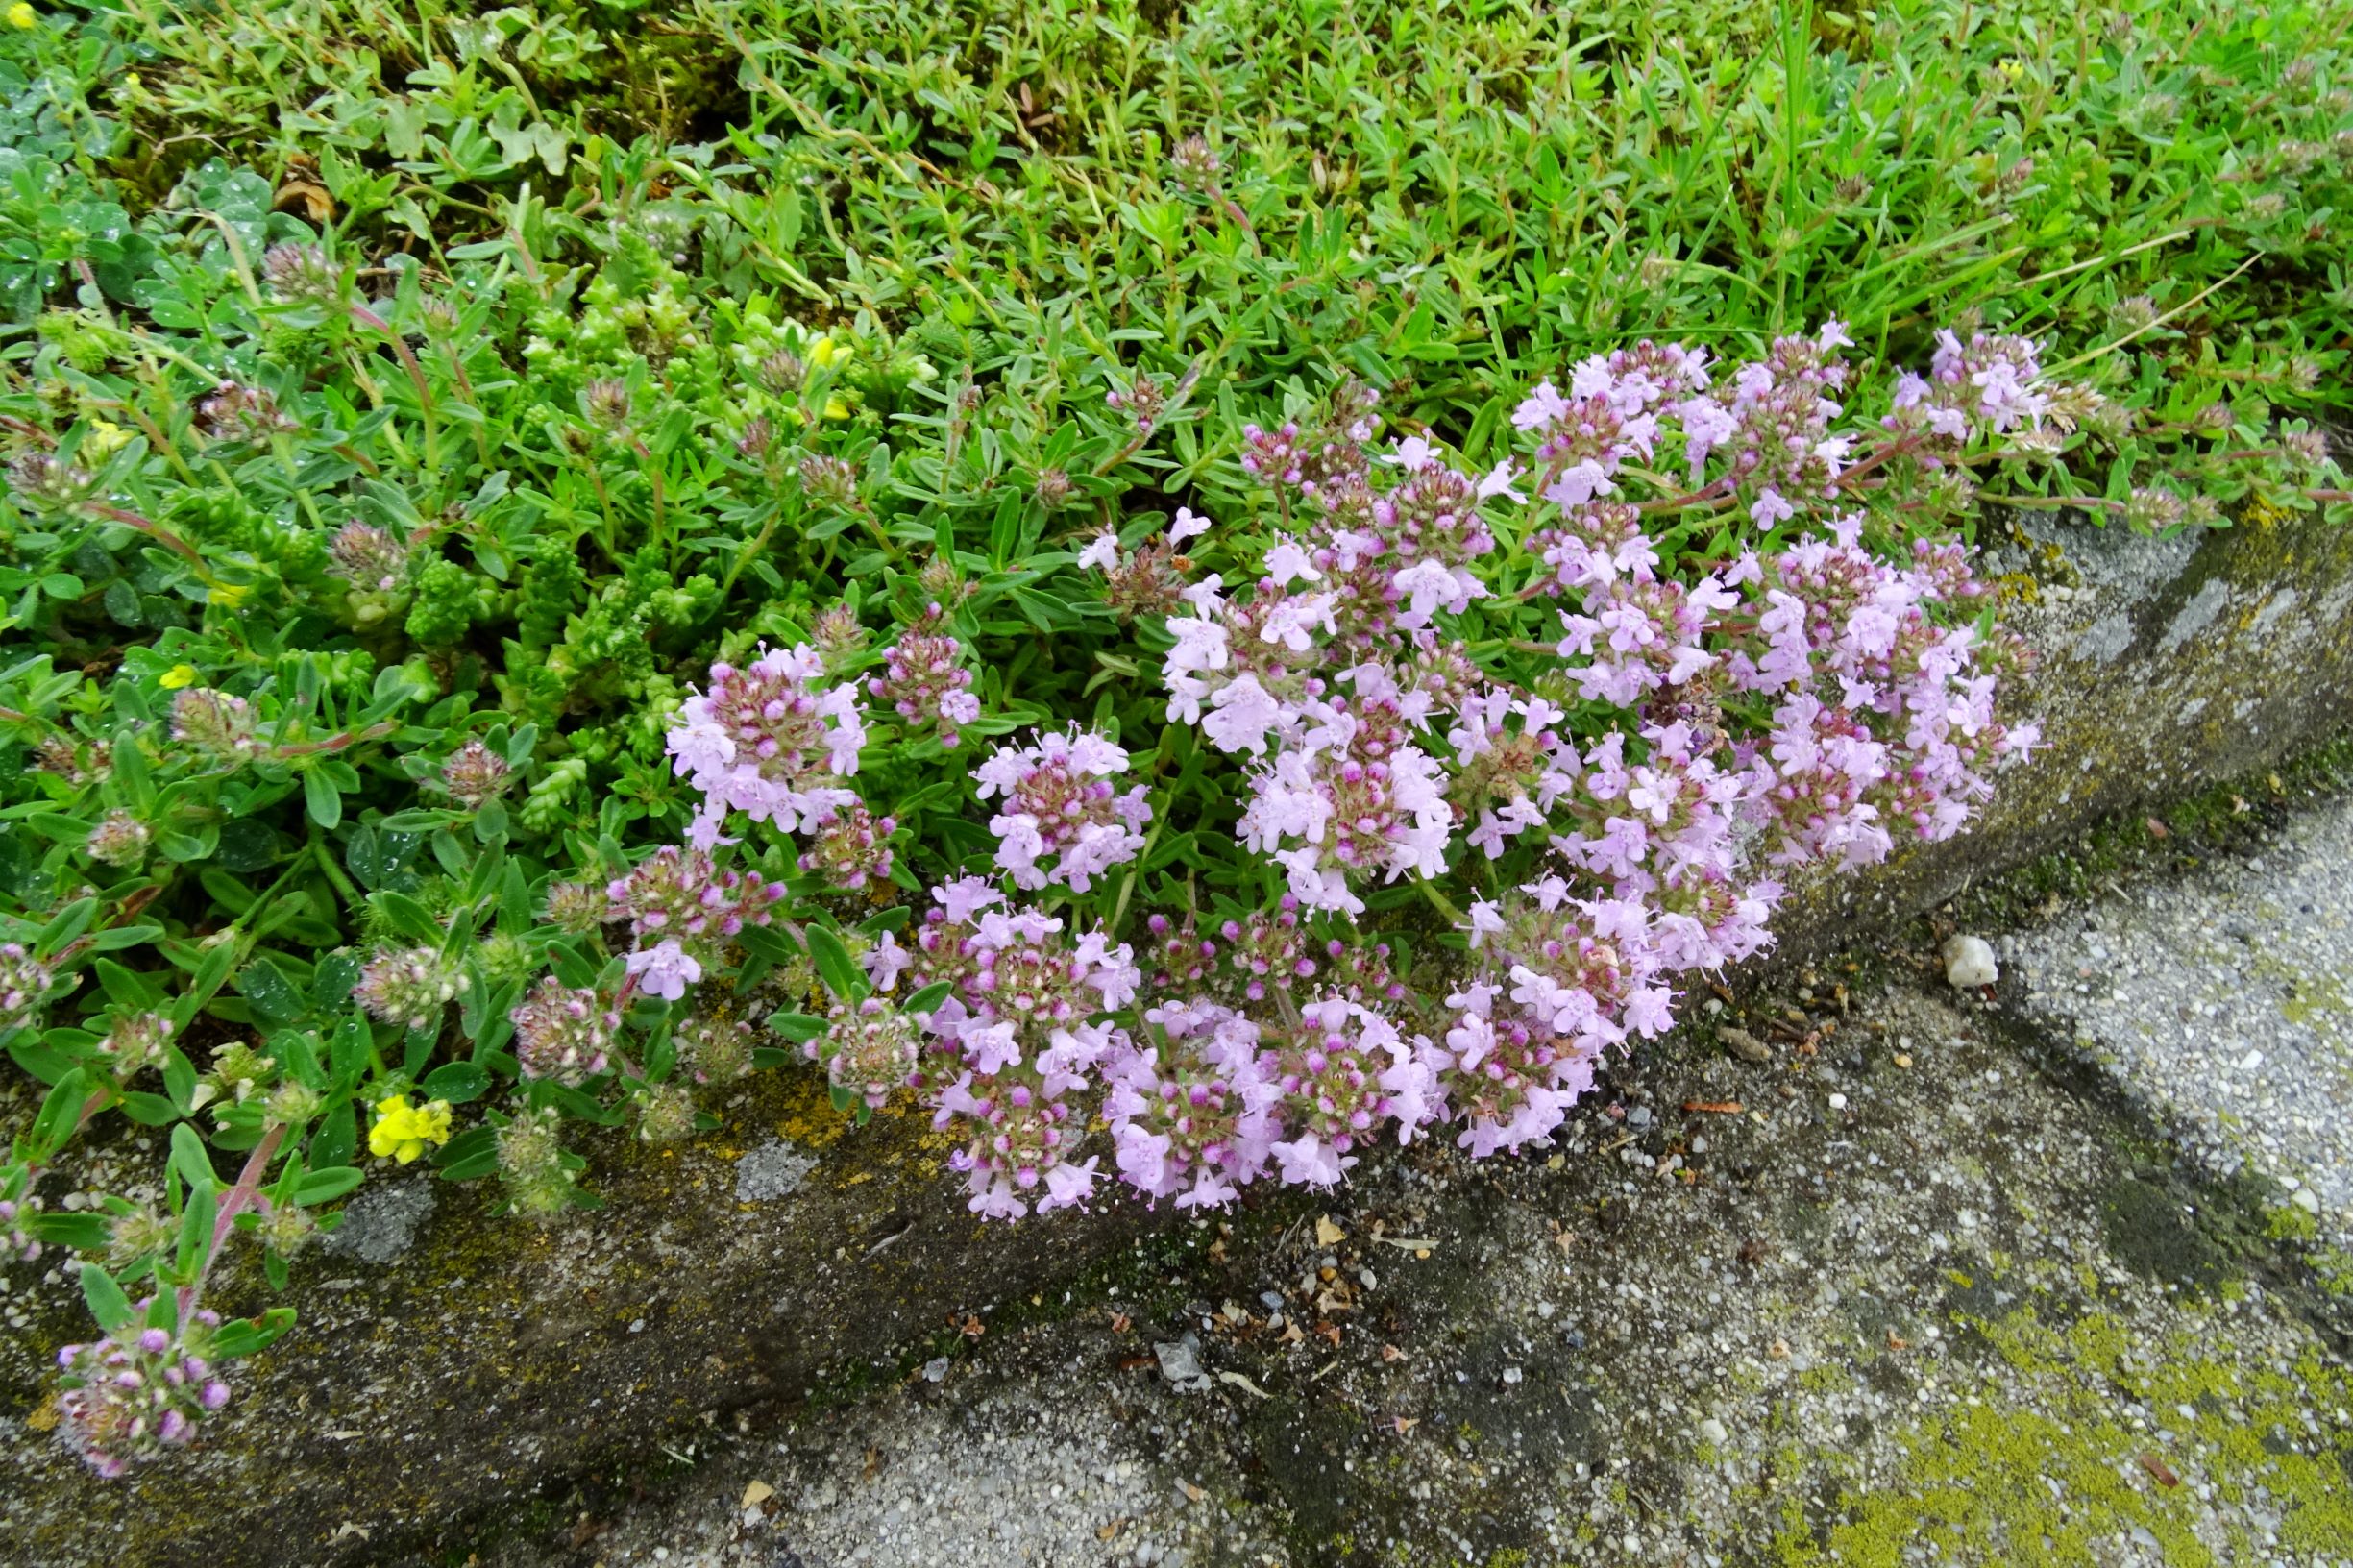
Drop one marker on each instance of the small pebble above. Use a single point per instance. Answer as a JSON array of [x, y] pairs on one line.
[[1969, 963]]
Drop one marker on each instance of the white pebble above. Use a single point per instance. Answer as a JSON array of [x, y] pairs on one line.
[[1968, 961]]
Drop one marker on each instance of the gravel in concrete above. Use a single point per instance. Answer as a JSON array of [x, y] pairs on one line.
[[2225, 1000]]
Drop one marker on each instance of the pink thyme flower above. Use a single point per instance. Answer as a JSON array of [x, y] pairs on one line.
[[1059, 800], [563, 1032], [849, 846], [867, 1050], [764, 740], [137, 1392], [924, 682], [1194, 1119], [665, 970], [683, 896]]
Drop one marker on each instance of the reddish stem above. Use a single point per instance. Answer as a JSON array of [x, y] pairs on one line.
[[234, 1202]]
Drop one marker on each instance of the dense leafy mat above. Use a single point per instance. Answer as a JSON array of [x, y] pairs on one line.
[[443, 437]]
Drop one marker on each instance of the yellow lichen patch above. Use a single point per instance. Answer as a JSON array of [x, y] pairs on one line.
[[44, 1417], [2047, 1464], [807, 1116]]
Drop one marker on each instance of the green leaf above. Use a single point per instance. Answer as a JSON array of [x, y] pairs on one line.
[[767, 942], [472, 1152], [457, 1082], [276, 998], [423, 820], [338, 1135], [60, 1113], [191, 1158], [247, 1335], [929, 998], [196, 1227], [834, 965], [124, 987], [327, 1185], [801, 1027], [209, 976], [68, 923], [322, 801], [79, 1231], [150, 1110], [106, 1302], [114, 938], [408, 917]]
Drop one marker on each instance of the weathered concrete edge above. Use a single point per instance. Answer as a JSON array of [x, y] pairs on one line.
[[421, 1403]]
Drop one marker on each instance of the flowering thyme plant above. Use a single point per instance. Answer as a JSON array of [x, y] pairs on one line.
[[1383, 806], [1596, 813]]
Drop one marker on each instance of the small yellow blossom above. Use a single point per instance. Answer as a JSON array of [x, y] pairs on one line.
[[836, 409], [22, 15], [824, 350], [229, 595], [177, 677], [403, 1132], [104, 439]]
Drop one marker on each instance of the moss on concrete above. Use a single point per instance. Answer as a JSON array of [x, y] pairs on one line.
[[1997, 1482]]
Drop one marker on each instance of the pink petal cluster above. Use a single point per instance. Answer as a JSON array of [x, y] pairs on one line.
[[1022, 1027], [1056, 798], [924, 680], [137, 1392], [763, 741], [1192, 1114]]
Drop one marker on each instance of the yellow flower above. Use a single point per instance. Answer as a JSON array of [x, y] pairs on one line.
[[229, 595], [824, 350], [22, 15], [104, 439], [403, 1132], [177, 677], [836, 409]]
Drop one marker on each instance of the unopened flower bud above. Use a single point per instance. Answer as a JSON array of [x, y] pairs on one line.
[[783, 373], [409, 987], [138, 1234], [292, 1103], [136, 1043], [562, 1032], [532, 1165], [214, 722], [119, 839], [369, 558], [938, 582], [1053, 488], [475, 775], [287, 1229], [240, 1072], [2152, 510], [24, 980], [715, 1050], [233, 411], [869, 1050], [839, 636], [2309, 447], [575, 907], [605, 400], [1195, 163], [17, 1243], [665, 1115], [41, 480], [302, 274], [829, 482]]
